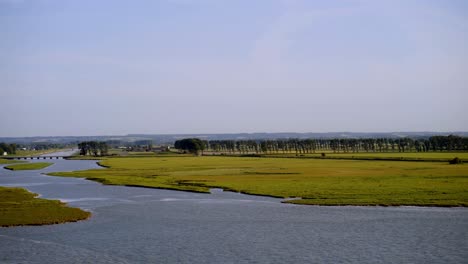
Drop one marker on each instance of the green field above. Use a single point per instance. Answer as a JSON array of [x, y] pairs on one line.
[[316, 181], [405, 156], [8, 161], [20, 207], [28, 166], [22, 153], [422, 155]]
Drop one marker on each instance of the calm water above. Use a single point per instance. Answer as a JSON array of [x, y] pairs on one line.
[[140, 225]]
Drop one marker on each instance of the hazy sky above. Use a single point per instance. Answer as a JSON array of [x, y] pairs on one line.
[[210, 66]]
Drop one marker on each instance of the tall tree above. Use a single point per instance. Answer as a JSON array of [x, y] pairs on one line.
[[191, 145]]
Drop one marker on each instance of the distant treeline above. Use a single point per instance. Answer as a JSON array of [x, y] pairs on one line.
[[12, 148], [45, 146], [303, 146], [8, 148], [93, 148], [136, 144]]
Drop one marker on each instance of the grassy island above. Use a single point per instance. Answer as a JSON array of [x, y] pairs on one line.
[[316, 181], [29, 166], [20, 207], [8, 161]]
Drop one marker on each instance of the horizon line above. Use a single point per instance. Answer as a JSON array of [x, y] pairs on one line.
[[231, 133]]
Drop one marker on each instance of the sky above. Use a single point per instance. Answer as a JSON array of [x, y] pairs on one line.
[[116, 67]]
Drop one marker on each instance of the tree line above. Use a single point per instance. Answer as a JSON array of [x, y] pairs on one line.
[[8, 148], [338, 145], [93, 148]]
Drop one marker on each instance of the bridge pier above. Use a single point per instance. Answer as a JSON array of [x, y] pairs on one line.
[[34, 157]]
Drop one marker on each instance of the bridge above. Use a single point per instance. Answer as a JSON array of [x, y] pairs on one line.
[[32, 157]]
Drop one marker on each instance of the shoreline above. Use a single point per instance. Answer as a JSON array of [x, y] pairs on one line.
[[315, 181], [285, 200], [21, 207]]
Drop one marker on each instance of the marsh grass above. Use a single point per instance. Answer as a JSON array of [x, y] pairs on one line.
[[385, 156], [21, 153], [20, 207], [29, 166], [9, 161], [317, 181]]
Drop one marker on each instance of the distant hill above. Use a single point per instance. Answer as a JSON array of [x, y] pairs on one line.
[[170, 138]]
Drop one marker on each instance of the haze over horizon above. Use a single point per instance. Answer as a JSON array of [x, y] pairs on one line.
[[332, 133], [206, 66]]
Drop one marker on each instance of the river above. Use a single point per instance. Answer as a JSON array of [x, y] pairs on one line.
[[142, 225]]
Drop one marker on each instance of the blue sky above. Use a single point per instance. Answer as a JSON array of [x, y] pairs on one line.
[[212, 66]]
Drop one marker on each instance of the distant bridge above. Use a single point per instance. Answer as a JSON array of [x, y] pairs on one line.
[[32, 157]]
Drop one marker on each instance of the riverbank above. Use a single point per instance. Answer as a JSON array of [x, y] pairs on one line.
[[316, 181], [142, 225], [8, 161], [22, 153], [19, 207], [28, 166]]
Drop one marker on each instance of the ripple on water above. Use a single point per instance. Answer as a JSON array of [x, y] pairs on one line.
[[23, 250], [24, 184]]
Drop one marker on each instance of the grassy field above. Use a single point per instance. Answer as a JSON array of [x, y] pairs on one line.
[[316, 181], [404, 156], [84, 158], [131, 155], [21, 153], [20, 207], [28, 166], [7, 161], [428, 155]]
